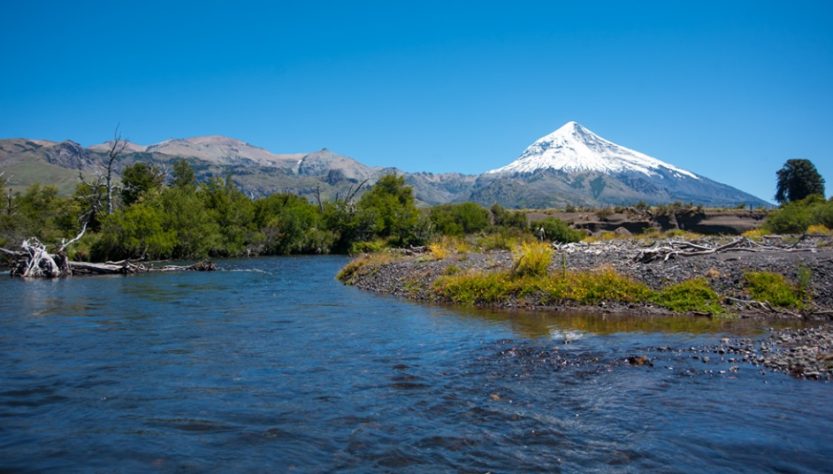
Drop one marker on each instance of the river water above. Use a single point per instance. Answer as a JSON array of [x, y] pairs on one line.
[[272, 365]]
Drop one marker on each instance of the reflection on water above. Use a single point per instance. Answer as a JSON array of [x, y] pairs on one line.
[[273, 365], [534, 324]]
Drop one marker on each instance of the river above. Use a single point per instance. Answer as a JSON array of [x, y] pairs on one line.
[[272, 365]]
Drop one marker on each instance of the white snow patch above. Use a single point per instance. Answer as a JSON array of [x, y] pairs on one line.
[[575, 149]]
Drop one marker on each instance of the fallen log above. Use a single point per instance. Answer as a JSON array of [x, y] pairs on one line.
[[125, 267]]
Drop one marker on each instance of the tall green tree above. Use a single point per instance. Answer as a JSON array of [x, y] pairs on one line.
[[135, 232], [197, 234], [183, 174], [137, 180], [291, 224], [233, 213], [797, 179], [391, 209]]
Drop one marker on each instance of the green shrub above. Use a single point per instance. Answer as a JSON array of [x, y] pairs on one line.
[[774, 288], [695, 295], [476, 288], [510, 219], [797, 216], [591, 287], [368, 246], [555, 230], [459, 219]]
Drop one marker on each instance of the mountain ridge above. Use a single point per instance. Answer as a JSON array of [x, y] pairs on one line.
[[571, 165]]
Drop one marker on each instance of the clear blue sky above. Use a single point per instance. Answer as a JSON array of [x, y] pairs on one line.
[[726, 89]]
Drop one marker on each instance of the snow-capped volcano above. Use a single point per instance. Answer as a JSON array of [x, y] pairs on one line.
[[575, 149], [573, 165]]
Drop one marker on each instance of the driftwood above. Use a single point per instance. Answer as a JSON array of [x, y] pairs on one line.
[[126, 267], [33, 260], [682, 248]]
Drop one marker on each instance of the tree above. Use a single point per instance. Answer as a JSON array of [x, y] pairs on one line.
[[389, 205], [137, 180], [232, 211], [291, 224], [197, 234], [797, 179], [135, 232], [183, 174], [117, 146]]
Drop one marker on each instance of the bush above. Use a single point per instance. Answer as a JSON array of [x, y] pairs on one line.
[[774, 289], [475, 288], [368, 246], [690, 295], [555, 230], [591, 287], [796, 217], [532, 259], [459, 219], [819, 229], [503, 239], [513, 219]]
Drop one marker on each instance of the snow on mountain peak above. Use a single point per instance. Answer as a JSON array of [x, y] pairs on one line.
[[575, 149]]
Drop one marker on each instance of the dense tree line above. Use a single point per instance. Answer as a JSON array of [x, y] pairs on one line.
[[158, 218]]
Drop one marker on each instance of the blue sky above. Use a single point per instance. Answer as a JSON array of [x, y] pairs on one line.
[[729, 90]]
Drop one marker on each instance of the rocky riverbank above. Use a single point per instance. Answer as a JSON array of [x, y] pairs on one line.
[[806, 263]]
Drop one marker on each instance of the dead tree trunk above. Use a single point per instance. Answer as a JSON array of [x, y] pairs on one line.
[[116, 148]]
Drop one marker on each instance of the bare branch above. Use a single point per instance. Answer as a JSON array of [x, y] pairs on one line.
[[64, 245], [117, 146], [12, 253], [352, 195]]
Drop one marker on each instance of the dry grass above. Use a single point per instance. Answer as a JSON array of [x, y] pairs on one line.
[[363, 264], [447, 247], [818, 229], [755, 234], [532, 259]]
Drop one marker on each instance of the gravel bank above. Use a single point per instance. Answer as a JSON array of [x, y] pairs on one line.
[[412, 276], [804, 353]]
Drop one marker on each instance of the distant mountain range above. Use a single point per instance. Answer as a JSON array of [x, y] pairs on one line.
[[569, 166]]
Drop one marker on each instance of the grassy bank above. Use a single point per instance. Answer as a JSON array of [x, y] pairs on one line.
[[538, 276]]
